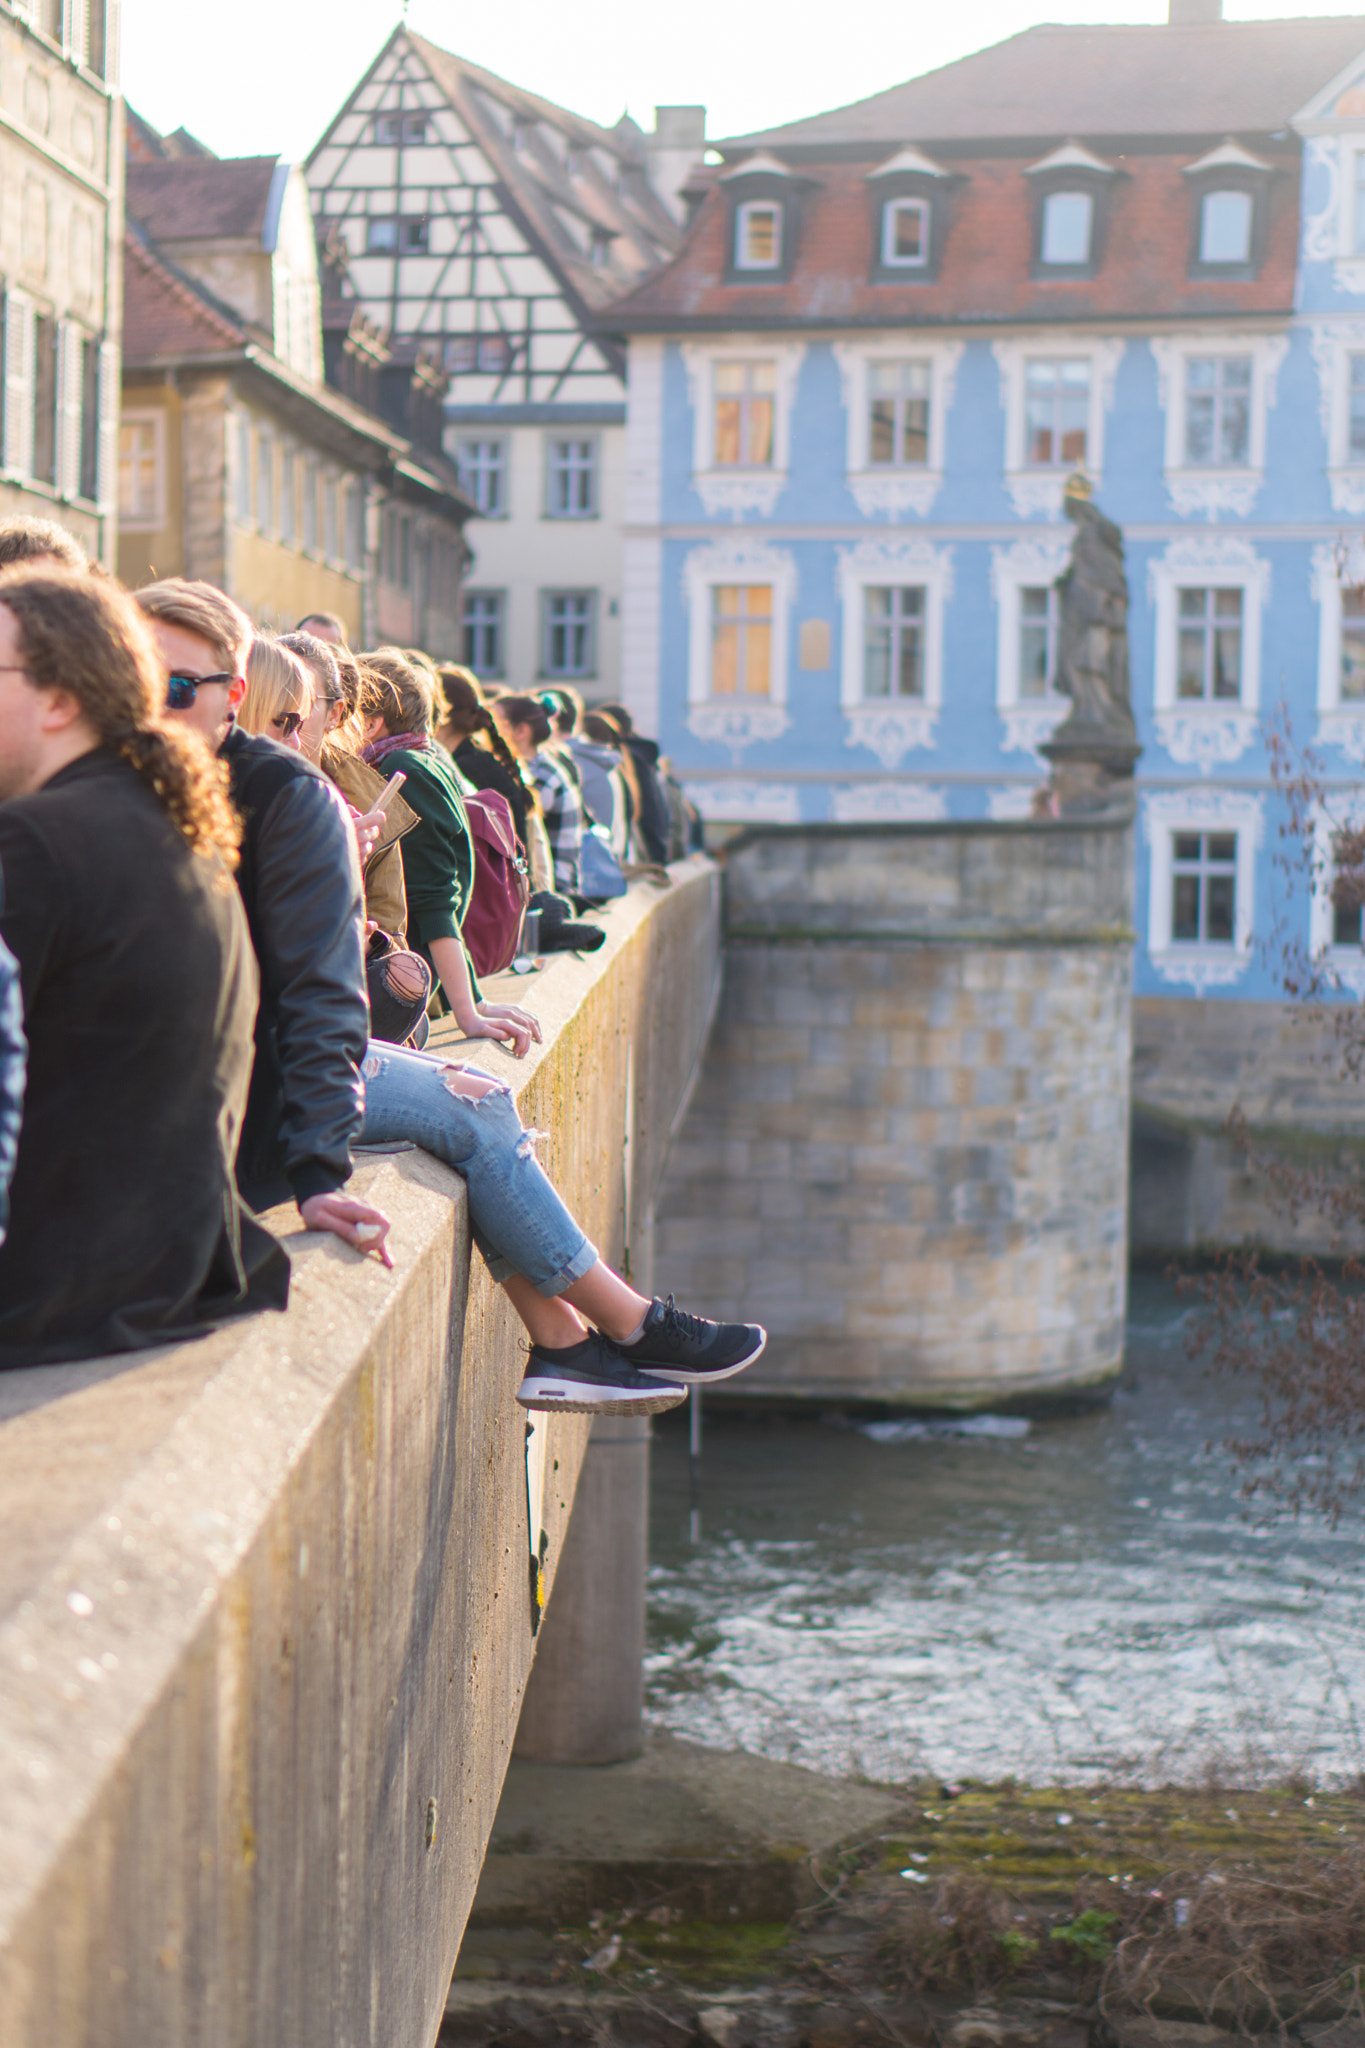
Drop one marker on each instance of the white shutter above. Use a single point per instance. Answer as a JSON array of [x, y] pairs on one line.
[[106, 485], [70, 371], [77, 30], [18, 384]]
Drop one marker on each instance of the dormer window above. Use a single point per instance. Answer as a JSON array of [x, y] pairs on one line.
[[1230, 195], [763, 208], [1225, 227], [1068, 223], [909, 214], [758, 235], [1072, 189], [905, 233]]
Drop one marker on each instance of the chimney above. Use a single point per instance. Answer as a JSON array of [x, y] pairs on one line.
[[1193, 13], [676, 147]]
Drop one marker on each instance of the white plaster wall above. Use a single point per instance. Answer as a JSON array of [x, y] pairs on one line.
[[526, 553]]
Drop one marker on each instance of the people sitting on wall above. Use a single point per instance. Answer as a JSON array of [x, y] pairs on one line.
[[654, 827], [299, 877], [525, 725], [118, 847], [77, 765], [467, 728]]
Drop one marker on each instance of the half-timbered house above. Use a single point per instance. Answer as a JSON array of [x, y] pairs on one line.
[[485, 226]]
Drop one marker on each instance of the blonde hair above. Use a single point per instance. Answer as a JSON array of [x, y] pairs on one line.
[[201, 609], [276, 681]]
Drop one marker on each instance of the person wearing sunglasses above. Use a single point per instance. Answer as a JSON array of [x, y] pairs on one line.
[[279, 693], [118, 843], [299, 878]]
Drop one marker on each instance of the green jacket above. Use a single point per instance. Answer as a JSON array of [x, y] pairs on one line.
[[438, 853]]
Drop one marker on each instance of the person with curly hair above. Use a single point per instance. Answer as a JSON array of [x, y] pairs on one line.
[[118, 846]]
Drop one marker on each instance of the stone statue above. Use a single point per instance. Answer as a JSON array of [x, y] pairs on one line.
[[1096, 742]]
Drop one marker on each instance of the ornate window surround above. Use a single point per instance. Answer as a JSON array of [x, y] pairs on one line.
[[1166, 812], [1344, 964], [737, 491], [1040, 560], [902, 802], [1334, 342], [1037, 493], [1339, 725], [1329, 234], [1197, 734], [1208, 492], [731, 802], [888, 490], [890, 729], [736, 722]]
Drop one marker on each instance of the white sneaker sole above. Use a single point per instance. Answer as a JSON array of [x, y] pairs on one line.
[[565, 1397], [706, 1379]]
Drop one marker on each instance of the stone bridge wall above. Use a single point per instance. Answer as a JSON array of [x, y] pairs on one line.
[[908, 1153], [265, 1608]]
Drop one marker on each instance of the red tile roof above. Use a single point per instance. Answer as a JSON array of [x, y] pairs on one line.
[[164, 316], [197, 198], [1211, 78], [984, 275]]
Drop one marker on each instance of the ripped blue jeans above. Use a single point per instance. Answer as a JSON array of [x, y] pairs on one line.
[[518, 1221]]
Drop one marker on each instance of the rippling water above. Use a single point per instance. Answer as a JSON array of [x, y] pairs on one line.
[[1093, 1600]]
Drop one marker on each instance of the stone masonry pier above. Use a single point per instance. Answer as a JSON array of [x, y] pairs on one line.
[[265, 1600], [908, 1154]]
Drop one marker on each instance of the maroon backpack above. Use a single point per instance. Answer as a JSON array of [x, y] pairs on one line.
[[497, 903]]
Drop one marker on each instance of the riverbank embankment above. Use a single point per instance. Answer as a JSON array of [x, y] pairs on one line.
[[720, 1898]]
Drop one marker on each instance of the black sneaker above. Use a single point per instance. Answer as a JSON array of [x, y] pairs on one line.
[[591, 1378], [677, 1346]]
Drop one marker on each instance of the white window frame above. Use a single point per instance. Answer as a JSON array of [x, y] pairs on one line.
[[1227, 192], [502, 465], [730, 721], [1166, 813], [1344, 965], [558, 437], [1038, 493], [1046, 262], [498, 597], [889, 491], [888, 727], [1027, 721], [591, 623], [1334, 342], [1340, 724], [1204, 490], [743, 213], [890, 208], [148, 522], [732, 491], [1207, 734]]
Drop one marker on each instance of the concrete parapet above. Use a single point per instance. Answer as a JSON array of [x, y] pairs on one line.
[[1282, 1067], [908, 1153], [265, 1600]]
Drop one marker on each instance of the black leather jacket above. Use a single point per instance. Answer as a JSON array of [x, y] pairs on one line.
[[300, 882]]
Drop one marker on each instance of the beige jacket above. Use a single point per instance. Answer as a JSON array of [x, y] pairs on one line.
[[360, 784]]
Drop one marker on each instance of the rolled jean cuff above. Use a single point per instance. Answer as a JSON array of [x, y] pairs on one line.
[[502, 1268]]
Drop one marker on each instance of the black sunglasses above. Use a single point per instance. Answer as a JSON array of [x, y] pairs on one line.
[[181, 691], [288, 722]]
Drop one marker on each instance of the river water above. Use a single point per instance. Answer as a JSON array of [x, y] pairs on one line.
[[1089, 1601]]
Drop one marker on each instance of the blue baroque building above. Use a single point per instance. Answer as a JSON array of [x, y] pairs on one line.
[[855, 394]]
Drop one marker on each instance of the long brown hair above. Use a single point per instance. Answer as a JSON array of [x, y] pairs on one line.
[[466, 714], [86, 636]]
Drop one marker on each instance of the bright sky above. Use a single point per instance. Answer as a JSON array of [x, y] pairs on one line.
[[270, 83]]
